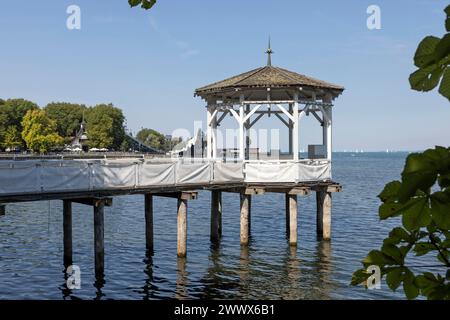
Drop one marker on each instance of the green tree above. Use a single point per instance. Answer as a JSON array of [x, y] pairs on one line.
[[145, 4], [105, 127], [12, 138], [39, 131], [12, 112], [151, 138], [68, 117], [421, 198]]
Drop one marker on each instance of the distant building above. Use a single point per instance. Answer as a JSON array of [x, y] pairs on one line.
[[81, 138]]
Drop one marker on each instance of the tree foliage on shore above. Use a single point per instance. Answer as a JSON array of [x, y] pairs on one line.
[[68, 117], [105, 127], [156, 140], [39, 131], [421, 198], [12, 112]]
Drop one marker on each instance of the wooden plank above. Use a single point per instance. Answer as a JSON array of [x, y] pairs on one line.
[[185, 195], [148, 207], [107, 202], [327, 188], [182, 228], [67, 232]]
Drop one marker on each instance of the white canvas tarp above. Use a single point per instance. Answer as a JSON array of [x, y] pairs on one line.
[[192, 173], [228, 172], [114, 174], [314, 172], [19, 177], [270, 172], [65, 176], [153, 174]]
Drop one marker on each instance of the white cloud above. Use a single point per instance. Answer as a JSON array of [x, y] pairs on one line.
[[185, 48]]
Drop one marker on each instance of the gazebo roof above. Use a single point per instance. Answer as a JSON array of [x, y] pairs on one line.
[[266, 77]]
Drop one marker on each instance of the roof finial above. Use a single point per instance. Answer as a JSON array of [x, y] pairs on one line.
[[269, 55]]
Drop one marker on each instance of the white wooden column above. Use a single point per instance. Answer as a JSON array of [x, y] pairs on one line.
[[247, 133], [241, 129], [295, 125], [214, 134], [327, 126], [208, 132], [290, 129]]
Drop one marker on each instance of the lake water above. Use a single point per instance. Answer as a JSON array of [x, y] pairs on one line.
[[31, 248]]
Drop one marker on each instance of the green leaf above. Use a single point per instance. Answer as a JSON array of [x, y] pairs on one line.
[[442, 49], [420, 173], [134, 3], [444, 180], [426, 79], [394, 278], [422, 248], [444, 88], [376, 257], [401, 234], [411, 291], [393, 252], [390, 209], [390, 191], [447, 21], [425, 52], [440, 209], [148, 4], [417, 214], [359, 276]]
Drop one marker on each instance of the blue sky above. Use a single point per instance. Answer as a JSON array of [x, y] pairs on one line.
[[149, 62]]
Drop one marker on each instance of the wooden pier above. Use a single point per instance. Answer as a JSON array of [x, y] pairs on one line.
[[101, 199]]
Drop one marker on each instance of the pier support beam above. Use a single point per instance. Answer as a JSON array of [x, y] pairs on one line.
[[67, 232], [182, 227], [99, 234], [245, 218], [292, 200], [287, 214], [216, 215], [2, 210], [149, 221], [323, 214]]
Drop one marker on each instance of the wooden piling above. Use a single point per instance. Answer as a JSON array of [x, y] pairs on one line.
[[220, 213], [245, 215], [182, 227], [67, 232], [2, 210], [216, 216], [323, 214], [292, 219], [287, 214], [149, 221], [99, 248]]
